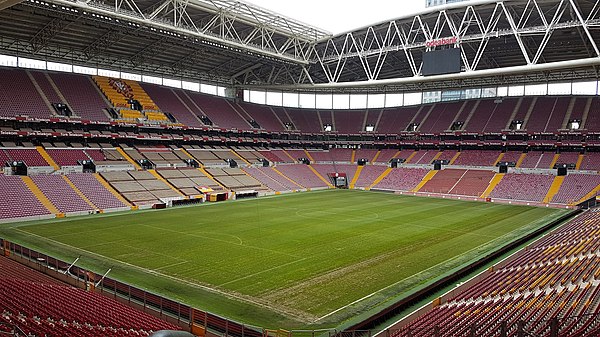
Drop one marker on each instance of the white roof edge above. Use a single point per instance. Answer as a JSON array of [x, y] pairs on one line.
[[428, 10]]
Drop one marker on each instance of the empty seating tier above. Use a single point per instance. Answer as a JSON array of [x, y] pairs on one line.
[[14, 85], [41, 307], [557, 277], [60, 193], [402, 179], [17, 200], [302, 175], [529, 187]]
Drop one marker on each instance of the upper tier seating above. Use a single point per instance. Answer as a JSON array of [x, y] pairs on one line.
[[529, 187], [593, 120], [263, 115], [17, 200], [402, 179], [305, 120], [15, 85], [490, 115], [42, 80], [591, 161], [67, 157], [396, 120], [511, 156], [349, 121], [276, 156], [31, 157], [424, 157], [386, 155], [548, 114], [82, 95], [332, 155], [367, 154], [440, 117], [536, 159], [477, 158], [168, 101], [221, 112], [555, 277]]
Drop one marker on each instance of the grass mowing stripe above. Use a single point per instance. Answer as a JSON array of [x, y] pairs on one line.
[[302, 255]]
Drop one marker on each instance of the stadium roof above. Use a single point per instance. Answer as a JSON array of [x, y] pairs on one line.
[[238, 44]]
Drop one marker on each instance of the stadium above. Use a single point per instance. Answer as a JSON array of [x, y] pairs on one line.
[[214, 168]]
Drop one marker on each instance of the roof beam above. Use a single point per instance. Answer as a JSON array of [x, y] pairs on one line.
[[8, 3], [174, 16]]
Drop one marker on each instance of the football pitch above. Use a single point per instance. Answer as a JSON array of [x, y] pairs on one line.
[[300, 260]]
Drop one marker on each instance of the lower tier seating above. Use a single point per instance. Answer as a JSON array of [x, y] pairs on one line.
[[402, 179], [529, 187], [302, 175], [555, 277], [17, 200], [40, 307]]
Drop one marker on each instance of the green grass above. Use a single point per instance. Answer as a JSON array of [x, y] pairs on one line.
[[297, 261]]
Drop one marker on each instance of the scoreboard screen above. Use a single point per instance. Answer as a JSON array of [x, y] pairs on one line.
[[440, 62]]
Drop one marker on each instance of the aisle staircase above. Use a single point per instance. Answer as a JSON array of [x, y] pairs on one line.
[[356, 176], [380, 178], [427, 178], [554, 188], [41, 197], [495, 181]]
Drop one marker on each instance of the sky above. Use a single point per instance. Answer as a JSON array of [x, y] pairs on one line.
[[339, 16]]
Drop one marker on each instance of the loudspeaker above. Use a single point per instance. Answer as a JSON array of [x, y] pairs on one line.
[[437, 166], [561, 171], [503, 169]]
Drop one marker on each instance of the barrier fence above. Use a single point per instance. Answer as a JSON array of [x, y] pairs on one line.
[[202, 323]]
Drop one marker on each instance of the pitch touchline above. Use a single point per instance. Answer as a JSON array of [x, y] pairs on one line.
[[150, 271], [395, 283]]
